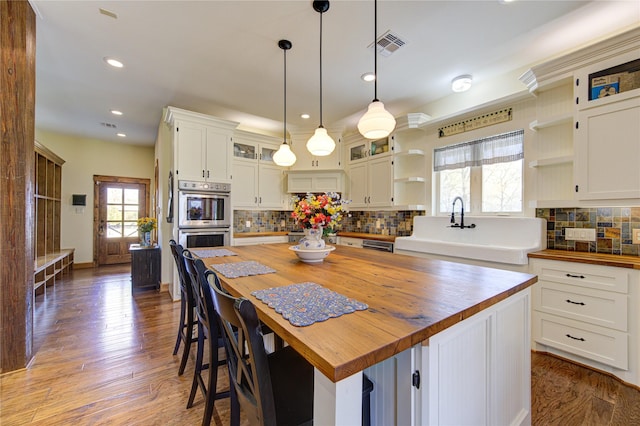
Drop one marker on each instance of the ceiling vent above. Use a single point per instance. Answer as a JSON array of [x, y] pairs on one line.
[[389, 43], [109, 125]]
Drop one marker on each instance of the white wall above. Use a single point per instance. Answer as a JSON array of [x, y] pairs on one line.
[[83, 159]]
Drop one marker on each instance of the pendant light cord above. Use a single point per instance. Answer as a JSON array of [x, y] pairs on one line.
[[375, 50], [284, 137], [321, 69]]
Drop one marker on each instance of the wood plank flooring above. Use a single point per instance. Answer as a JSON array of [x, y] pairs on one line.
[[104, 356]]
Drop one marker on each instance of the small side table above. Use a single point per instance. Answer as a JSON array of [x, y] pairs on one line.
[[145, 267]]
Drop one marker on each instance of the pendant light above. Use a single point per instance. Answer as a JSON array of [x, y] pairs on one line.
[[377, 122], [284, 156], [321, 144]]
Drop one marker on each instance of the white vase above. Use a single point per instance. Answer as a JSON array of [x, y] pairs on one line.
[[312, 239]]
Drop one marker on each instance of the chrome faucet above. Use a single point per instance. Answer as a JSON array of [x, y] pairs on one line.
[[453, 215]]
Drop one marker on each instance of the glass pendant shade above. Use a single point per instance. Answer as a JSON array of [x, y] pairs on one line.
[[284, 156], [377, 122], [321, 144]]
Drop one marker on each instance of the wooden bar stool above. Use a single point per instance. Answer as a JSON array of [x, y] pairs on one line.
[[187, 308], [208, 334]]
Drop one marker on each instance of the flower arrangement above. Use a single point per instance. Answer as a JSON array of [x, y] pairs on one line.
[[314, 211], [146, 224]]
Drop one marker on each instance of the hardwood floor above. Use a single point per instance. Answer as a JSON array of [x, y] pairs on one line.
[[104, 356]]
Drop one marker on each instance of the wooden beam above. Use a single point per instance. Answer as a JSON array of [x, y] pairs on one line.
[[17, 116]]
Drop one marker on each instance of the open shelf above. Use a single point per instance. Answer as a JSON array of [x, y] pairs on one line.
[[551, 161], [553, 121]]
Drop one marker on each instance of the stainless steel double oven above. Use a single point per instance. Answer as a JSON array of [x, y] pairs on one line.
[[204, 214]]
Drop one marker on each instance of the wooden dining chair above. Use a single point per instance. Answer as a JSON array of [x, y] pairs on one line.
[[272, 389], [209, 334], [187, 308]]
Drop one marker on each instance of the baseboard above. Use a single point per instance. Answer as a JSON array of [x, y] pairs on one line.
[[164, 287], [84, 265]]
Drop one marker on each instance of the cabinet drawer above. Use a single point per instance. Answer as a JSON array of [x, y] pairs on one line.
[[591, 276], [606, 309], [349, 241], [597, 343]]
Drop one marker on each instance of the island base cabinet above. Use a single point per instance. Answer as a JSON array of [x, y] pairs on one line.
[[478, 372]]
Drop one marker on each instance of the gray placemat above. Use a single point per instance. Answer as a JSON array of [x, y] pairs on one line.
[[212, 252], [306, 303], [242, 269]]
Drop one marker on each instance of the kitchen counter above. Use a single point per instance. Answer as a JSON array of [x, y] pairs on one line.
[[416, 308], [620, 261], [378, 237]]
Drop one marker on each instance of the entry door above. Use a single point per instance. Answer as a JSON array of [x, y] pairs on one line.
[[121, 202]]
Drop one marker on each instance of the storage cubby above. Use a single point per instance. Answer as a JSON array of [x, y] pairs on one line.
[[50, 261]]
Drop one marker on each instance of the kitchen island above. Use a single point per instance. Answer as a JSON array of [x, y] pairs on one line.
[[416, 307]]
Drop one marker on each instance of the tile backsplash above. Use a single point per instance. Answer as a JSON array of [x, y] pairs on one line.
[[371, 222], [614, 228]]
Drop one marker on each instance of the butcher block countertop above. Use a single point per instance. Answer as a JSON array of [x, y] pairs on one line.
[[378, 237], [620, 261], [410, 299]]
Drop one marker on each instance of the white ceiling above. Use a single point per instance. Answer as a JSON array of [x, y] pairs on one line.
[[222, 58]]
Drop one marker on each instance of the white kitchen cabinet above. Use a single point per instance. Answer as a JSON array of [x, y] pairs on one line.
[[306, 161], [201, 146], [608, 149], [315, 181], [478, 372], [589, 314], [258, 183], [371, 183]]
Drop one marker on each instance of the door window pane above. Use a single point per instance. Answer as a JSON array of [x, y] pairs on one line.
[[502, 187], [122, 212]]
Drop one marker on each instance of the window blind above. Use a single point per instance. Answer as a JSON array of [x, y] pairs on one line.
[[490, 150]]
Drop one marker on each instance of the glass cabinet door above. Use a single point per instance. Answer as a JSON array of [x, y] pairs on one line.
[[242, 150], [358, 151], [381, 146], [266, 154]]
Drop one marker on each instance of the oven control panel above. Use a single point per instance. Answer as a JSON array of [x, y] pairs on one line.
[[189, 185]]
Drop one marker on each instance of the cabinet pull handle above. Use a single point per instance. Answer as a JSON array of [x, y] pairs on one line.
[[575, 303], [202, 173], [575, 276], [575, 338]]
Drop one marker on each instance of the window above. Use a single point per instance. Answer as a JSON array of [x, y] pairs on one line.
[[486, 172], [122, 212]]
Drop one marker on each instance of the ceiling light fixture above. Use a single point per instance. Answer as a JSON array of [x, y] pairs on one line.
[[461, 83], [368, 76], [122, 135], [116, 112], [377, 122], [284, 156], [321, 144], [113, 62], [304, 116]]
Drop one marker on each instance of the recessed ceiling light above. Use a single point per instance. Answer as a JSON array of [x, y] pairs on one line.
[[461, 83], [368, 76], [113, 62], [122, 135], [116, 112], [305, 116]]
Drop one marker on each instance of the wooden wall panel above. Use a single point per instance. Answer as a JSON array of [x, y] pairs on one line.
[[17, 114]]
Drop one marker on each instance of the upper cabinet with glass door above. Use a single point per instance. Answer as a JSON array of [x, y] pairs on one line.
[[364, 149]]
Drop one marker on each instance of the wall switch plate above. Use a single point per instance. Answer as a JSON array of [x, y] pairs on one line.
[[636, 236], [358, 224], [283, 223], [378, 224], [580, 234], [248, 224]]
